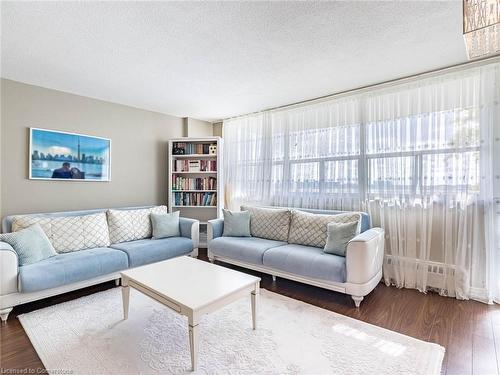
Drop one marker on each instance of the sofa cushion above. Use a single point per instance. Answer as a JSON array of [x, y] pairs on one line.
[[24, 221], [95, 230], [127, 225], [165, 225], [149, 251], [270, 223], [245, 249], [31, 244], [131, 225], [70, 268], [236, 223], [311, 229], [338, 237], [69, 233], [306, 261]]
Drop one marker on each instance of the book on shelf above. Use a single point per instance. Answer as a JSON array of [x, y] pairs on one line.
[[195, 199], [188, 183], [193, 148], [195, 165]]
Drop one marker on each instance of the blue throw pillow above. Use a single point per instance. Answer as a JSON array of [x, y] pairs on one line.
[[31, 244], [338, 236], [236, 223], [165, 225]]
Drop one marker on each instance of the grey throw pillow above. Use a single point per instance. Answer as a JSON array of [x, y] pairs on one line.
[[31, 244], [338, 236], [165, 225], [236, 223]]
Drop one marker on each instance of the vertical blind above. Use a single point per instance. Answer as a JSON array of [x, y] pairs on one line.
[[417, 156]]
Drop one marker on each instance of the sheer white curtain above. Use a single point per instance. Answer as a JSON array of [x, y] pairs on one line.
[[304, 157], [429, 186], [316, 155], [417, 156]]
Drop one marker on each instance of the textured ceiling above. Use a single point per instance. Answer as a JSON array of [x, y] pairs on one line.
[[213, 60]]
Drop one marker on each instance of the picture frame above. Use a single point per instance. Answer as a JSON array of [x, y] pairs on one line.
[[65, 156]]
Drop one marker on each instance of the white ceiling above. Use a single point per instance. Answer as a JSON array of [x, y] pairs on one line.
[[212, 60]]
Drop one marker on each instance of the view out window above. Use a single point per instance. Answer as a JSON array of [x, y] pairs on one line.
[[341, 176], [305, 177], [392, 174]]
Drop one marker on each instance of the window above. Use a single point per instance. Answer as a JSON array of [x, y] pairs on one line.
[[341, 176], [426, 154], [359, 149]]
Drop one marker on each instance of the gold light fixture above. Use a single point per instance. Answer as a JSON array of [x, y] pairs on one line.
[[481, 27]]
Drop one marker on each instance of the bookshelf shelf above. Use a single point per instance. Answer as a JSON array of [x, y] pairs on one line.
[[195, 207], [202, 204], [193, 191], [193, 172], [195, 156]]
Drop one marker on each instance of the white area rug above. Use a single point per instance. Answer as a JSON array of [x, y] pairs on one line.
[[88, 336]]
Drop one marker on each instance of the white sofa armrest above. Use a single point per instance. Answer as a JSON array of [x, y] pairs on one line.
[[215, 229], [8, 269], [364, 256], [190, 228]]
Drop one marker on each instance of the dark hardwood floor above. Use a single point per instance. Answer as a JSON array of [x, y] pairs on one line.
[[470, 331]]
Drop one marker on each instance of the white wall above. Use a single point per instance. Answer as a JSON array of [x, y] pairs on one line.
[[139, 150]]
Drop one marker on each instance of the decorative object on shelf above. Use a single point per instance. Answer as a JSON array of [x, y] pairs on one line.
[[481, 27], [178, 151], [56, 155], [194, 166], [212, 149]]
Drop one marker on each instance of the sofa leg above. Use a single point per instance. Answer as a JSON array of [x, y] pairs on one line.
[[4, 314], [274, 278], [117, 282], [357, 300]]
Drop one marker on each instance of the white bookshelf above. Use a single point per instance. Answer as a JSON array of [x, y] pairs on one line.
[[203, 213]]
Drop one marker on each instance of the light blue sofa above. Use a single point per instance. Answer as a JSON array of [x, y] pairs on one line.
[[356, 274], [73, 270]]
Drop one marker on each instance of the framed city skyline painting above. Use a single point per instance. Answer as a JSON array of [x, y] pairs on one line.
[[57, 155]]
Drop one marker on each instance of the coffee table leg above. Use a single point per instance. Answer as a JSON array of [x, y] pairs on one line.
[[255, 298], [193, 345], [125, 299]]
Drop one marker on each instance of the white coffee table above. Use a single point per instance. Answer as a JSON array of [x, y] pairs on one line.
[[192, 288]]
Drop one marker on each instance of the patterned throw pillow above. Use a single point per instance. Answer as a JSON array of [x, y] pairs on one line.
[[269, 223], [311, 229], [69, 233], [24, 221], [31, 244], [131, 225], [123, 224], [95, 230]]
